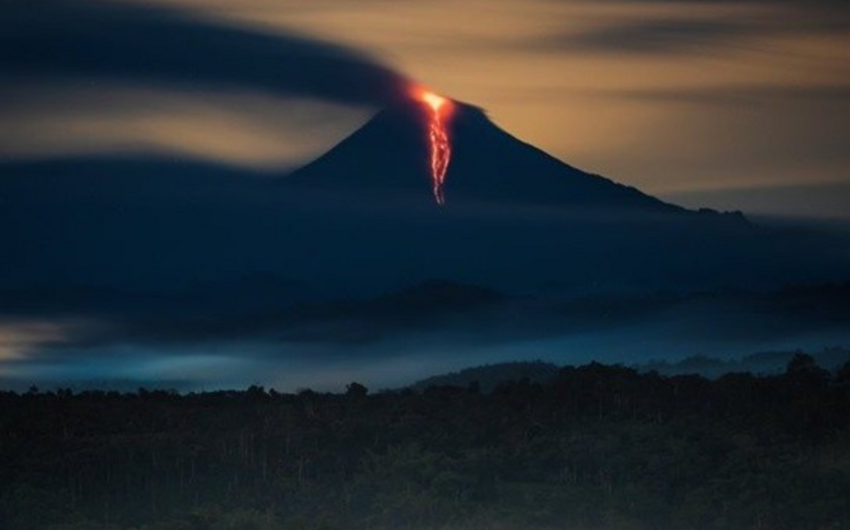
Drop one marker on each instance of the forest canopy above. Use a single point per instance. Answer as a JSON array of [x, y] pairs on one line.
[[595, 447]]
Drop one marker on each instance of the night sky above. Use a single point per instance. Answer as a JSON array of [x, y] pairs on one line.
[[726, 105]]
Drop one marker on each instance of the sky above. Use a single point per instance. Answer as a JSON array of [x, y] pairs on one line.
[[730, 104]]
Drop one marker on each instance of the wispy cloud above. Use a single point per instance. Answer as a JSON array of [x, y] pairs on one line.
[[96, 40], [655, 36], [746, 94], [688, 27]]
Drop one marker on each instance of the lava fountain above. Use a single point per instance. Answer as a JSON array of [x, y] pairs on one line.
[[441, 148]]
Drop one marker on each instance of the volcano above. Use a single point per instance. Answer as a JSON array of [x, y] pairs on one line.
[[388, 159], [517, 218], [362, 220]]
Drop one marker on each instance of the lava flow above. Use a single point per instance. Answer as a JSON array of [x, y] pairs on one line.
[[441, 149]]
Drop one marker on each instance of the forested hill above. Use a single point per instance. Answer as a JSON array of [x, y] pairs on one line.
[[597, 447], [488, 377]]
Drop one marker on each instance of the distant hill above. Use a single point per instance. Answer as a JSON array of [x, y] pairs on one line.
[[763, 363], [490, 376]]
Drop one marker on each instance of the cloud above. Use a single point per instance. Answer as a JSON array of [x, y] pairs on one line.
[[252, 130], [733, 95], [802, 4], [680, 27], [95, 40], [19, 335], [616, 329], [656, 36]]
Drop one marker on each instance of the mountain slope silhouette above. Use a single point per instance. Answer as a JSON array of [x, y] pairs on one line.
[[389, 157]]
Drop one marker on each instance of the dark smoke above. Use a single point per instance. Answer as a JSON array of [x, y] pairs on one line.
[[94, 40]]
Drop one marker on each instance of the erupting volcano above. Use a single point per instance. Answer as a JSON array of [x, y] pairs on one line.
[[441, 149], [359, 221]]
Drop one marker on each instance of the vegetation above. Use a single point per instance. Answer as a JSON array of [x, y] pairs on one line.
[[490, 376], [758, 363], [597, 447]]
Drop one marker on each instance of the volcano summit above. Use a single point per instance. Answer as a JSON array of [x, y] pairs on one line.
[[390, 156]]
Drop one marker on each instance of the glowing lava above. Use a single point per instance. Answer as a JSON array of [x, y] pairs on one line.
[[441, 148]]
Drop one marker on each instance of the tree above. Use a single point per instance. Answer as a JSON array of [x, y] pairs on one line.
[[356, 390], [803, 369]]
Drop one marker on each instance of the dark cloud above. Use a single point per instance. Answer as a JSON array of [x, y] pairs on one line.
[[732, 95], [95, 40], [658, 36], [394, 336], [728, 24]]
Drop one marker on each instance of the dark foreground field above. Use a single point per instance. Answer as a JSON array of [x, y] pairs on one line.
[[600, 447]]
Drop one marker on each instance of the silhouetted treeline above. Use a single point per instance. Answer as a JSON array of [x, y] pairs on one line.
[[763, 363], [598, 447], [490, 376]]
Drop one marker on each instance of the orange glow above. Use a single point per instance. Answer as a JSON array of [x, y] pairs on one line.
[[434, 100], [441, 149]]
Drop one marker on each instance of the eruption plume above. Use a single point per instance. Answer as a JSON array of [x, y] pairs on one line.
[[441, 149]]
